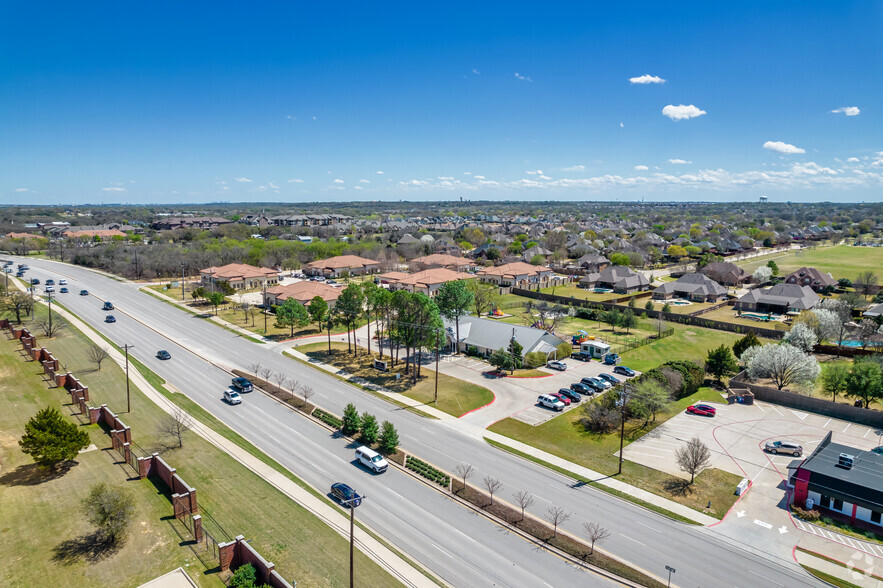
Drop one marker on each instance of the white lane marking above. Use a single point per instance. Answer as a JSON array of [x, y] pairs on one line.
[[825, 426], [783, 529], [630, 539], [757, 404], [777, 410], [846, 427], [866, 434], [760, 472], [740, 513], [645, 454], [765, 578], [800, 415], [648, 526], [763, 524]]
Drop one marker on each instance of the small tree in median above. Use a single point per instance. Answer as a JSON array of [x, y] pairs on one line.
[[464, 470], [370, 429], [693, 457], [110, 509], [523, 499], [720, 362], [389, 438], [492, 485], [595, 533], [351, 420], [51, 439], [97, 354], [556, 515]]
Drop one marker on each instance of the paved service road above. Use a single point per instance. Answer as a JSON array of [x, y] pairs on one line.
[[423, 524]]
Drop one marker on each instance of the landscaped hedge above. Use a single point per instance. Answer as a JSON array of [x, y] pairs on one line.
[[692, 376], [427, 471], [534, 359], [327, 418]]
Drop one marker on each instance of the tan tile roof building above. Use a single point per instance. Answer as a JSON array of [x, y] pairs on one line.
[[240, 275], [335, 266], [103, 234], [428, 281], [518, 274], [303, 292], [453, 262]]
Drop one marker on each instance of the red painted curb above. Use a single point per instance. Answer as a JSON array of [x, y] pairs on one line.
[[480, 407]]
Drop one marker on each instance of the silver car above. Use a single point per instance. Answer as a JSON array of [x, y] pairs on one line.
[[784, 447], [232, 396]]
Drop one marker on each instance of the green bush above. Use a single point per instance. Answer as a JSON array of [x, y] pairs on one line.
[[585, 313], [694, 376], [327, 418], [534, 359]]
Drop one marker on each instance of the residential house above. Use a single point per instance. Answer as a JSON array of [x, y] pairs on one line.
[[239, 276], [874, 312], [517, 275], [489, 335], [810, 276], [842, 481], [726, 273], [303, 292], [778, 299], [696, 287], [334, 267], [528, 254], [427, 281], [441, 260], [619, 278], [593, 262]]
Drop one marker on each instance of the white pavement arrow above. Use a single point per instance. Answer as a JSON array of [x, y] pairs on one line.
[[740, 513], [783, 529]]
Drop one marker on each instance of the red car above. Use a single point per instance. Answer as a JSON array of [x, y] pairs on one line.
[[702, 409], [561, 397]]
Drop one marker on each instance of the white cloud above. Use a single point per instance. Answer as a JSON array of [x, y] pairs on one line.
[[622, 126], [114, 189], [544, 177], [853, 160], [358, 187], [380, 172], [574, 168], [679, 161], [290, 116], [476, 72], [681, 112], [295, 181], [538, 172], [641, 168], [647, 79], [414, 183], [479, 177], [523, 78], [364, 181], [273, 185], [338, 181], [782, 147], [445, 178], [847, 110], [467, 173], [243, 180], [21, 190]]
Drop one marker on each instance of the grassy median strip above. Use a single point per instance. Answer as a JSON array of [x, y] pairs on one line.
[[597, 485], [202, 316]]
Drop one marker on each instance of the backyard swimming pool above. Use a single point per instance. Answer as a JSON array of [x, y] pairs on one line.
[[602, 290]]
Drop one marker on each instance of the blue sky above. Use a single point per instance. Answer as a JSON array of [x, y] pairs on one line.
[[229, 101]]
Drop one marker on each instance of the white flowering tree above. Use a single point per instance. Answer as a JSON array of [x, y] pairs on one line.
[[763, 274], [802, 337], [783, 364], [828, 326]]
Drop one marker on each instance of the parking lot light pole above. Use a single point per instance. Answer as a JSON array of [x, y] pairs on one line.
[[183, 265], [352, 535], [128, 397], [671, 570]]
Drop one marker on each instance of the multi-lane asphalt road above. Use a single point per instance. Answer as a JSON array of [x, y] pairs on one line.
[[463, 548]]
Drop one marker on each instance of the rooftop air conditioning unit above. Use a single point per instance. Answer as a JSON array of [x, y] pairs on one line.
[[846, 461]]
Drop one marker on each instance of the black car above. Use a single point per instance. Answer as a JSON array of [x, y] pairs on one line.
[[107, 306], [568, 393], [345, 495], [84, 292], [621, 369], [50, 282], [110, 319], [609, 378], [64, 290], [591, 383], [34, 281], [163, 354], [242, 384], [582, 388]]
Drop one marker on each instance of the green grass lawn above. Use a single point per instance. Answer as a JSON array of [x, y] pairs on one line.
[[681, 309], [302, 546], [726, 314], [687, 342], [256, 325], [455, 396], [841, 261], [574, 291], [565, 437]]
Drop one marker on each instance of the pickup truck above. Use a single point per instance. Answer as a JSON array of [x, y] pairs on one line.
[[242, 384]]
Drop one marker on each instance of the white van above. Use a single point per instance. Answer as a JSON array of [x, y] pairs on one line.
[[550, 401], [371, 459]]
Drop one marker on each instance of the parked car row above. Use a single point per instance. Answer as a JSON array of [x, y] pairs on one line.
[[588, 386]]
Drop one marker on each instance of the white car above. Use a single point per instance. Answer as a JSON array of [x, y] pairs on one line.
[[557, 365], [550, 401], [232, 396], [62, 282]]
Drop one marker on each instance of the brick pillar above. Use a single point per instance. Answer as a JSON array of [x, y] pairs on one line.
[[197, 528], [115, 440], [94, 415], [226, 551], [85, 390], [144, 464], [192, 504], [59, 380], [127, 452], [127, 434]]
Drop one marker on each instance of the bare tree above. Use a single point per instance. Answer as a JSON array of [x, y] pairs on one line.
[[866, 283], [19, 302], [174, 426], [556, 515], [50, 328], [255, 367], [693, 457], [245, 306], [291, 384], [464, 470], [492, 485], [97, 354], [251, 312], [595, 533], [524, 499], [307, 392], [280, 378], [264, 373]]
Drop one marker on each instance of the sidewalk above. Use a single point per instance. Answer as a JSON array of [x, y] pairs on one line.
[[837, 571], [395, 565]]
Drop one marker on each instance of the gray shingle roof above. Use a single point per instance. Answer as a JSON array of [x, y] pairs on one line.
[[492, 334], [693, 284]]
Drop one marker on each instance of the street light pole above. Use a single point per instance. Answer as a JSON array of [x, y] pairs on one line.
[[183, 265], [128, 397], [352, 532], [264, 304], [49, 295], [437, 338]]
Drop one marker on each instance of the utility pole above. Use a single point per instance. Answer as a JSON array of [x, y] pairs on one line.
[[183, 265], [437, 338], [353, 503], [49, 295], [128, 397], [264, 304]]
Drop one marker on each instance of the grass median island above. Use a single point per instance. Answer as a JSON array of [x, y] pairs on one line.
[[565, 437], [301, 545], [455, 396]]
